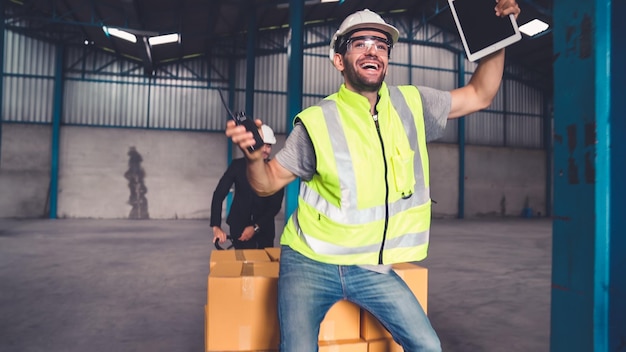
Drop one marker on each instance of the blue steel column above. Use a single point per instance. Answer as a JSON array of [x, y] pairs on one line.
[[589, 248], [231, 102], [615, 127], [547, 146], [57, 111], [250, 72], [2, 29], [461, 140], [250, 59], [295, 57]]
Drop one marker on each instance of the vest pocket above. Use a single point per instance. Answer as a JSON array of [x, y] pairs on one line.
[[403, 172]]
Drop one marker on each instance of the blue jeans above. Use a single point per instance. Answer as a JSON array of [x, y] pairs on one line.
[[307, 289]]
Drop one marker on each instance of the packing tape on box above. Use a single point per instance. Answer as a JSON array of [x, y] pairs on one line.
[[247, 269], [239, 256], [247, 281]]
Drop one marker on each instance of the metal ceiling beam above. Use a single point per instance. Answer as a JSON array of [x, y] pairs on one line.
[[132, 14]]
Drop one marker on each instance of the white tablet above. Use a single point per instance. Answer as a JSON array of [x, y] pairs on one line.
[[482, 32]]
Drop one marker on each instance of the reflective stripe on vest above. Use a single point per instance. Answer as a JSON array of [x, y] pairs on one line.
[[321, 247]]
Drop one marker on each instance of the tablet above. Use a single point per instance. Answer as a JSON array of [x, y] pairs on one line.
[[482, 32]]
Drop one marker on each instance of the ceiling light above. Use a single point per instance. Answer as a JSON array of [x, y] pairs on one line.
[[120, 34], [330, 1], [163, 39], [533, 27]]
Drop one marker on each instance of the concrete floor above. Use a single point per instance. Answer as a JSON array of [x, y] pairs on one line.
[[124, 285]]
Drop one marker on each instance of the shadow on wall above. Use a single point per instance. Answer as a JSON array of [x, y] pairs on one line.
[[135, 176]]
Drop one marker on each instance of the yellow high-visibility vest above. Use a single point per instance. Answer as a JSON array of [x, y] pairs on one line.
[[369, 201]]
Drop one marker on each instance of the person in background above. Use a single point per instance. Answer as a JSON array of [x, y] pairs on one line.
[[251, 217], [364, 200]]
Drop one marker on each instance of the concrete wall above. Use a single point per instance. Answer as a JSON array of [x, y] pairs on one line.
[[444, 171], [498, 181], [24, 170], [180, 171]]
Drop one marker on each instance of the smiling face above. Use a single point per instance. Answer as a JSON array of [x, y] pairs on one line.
[[363, 68]]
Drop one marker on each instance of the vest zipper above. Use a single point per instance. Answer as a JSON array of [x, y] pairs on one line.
[[382, 147]]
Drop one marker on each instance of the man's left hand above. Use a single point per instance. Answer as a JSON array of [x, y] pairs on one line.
[[247, 233]]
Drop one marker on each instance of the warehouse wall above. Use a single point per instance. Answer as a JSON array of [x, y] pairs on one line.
[[181, 169], [24, 170], [501, 181], [172, 122], [178, 172], [497, 180], [444, 173]]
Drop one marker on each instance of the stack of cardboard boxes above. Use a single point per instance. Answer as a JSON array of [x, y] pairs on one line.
[[241, 312]]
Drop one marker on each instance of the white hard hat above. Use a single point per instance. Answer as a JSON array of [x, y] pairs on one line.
[[364, 19], [268, 135]]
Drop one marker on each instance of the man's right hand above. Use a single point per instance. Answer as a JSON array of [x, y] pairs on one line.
[[218, 234], [244, 139]]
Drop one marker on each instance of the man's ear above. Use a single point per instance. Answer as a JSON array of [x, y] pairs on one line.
[[338, 62]]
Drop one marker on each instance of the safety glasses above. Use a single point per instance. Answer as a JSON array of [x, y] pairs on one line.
[[365, 43]]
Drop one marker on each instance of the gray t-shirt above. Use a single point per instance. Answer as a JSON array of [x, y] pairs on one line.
[[298, 155]]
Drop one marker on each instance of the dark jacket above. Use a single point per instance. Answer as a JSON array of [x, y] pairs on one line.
[[247, 207]]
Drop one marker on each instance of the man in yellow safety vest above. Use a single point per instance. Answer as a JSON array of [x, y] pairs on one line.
[[364, 201]]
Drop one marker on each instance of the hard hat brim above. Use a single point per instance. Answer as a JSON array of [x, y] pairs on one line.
[[385, 28]]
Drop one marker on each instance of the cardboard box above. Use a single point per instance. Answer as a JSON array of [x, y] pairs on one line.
[[239, 255], [273, 253], [383, 345], [354, 345], [342, 322], [416, 277], [242, 307]]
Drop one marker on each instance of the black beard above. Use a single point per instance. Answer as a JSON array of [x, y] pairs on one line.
[[359, 83]]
